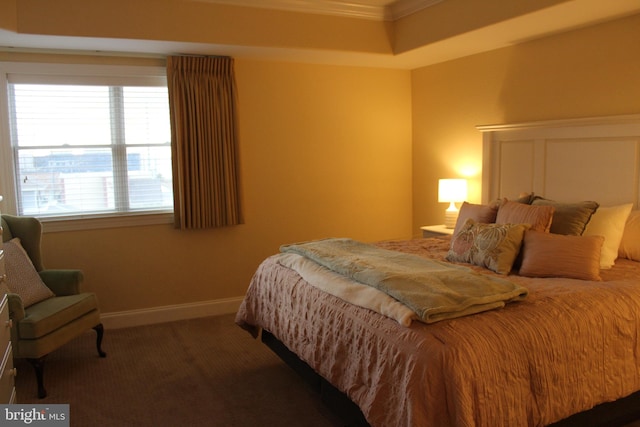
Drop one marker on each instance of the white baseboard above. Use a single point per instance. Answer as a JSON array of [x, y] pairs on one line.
[[169, 313]]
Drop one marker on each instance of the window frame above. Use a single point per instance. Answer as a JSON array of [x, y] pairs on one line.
[[18, 72]]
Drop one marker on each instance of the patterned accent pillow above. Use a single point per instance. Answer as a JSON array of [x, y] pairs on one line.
[[22, 277], [494, 246]]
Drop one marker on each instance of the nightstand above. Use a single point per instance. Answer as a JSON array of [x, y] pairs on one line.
[[436, 231]]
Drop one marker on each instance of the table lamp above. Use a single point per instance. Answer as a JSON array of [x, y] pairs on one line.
[[452, 191]]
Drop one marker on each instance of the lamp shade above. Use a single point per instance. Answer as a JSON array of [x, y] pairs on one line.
[[452, 190]]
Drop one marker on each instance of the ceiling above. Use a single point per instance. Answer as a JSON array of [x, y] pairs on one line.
[[387, 10], [564, 15]]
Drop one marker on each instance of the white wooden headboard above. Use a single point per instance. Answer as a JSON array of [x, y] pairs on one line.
[[566, 160]]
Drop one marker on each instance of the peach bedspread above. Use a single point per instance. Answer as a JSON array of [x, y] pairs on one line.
[[568, 346]]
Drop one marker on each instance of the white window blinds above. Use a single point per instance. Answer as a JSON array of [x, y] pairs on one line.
[[91, 145]]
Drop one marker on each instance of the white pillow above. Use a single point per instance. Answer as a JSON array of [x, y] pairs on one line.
[[630, 243], [22, 277], [609, 222]]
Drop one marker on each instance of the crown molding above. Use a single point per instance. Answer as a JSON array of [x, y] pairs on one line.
[[401, 8], [353, 9]]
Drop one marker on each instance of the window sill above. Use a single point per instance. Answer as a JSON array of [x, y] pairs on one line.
[[54, 225]]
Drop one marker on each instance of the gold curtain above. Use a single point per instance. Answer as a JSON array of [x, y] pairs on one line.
[[202, 101]]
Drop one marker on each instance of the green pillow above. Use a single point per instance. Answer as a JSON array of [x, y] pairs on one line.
[[569, 218]]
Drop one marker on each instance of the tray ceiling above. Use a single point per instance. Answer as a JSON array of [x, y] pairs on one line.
[[383, 10], [254, 37]]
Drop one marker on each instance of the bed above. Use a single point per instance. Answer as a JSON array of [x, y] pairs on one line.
[[565, 351]]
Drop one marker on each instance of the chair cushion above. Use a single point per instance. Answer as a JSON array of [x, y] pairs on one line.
[[46, 316]]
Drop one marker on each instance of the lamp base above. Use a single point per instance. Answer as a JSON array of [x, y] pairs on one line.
[[450, 219], [451, 216]]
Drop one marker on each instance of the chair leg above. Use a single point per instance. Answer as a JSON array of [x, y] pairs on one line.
[[38, 365], [100, 332]]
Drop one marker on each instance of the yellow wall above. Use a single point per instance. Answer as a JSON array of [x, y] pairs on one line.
[[593, 71], [349, 151], [325, 151]]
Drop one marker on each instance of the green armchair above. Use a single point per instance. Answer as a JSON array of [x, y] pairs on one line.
[[42, 327]]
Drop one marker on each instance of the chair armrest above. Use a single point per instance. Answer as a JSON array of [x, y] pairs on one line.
[[62, 282], [16, 308]]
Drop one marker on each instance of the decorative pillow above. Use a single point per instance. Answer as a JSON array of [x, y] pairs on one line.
[[538, 217], [494, 246], [568, 218], [556, 255], [22, 277], [630, 243], [609, 222], [479, 213], [525, 198]]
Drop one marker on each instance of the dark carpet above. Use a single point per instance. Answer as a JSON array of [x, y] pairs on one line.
[[200, 372]]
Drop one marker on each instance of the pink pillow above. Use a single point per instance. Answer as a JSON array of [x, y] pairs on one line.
[[538, 217], [485, 214], [559, 255]]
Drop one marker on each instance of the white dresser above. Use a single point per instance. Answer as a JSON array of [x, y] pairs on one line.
[[7, 371]]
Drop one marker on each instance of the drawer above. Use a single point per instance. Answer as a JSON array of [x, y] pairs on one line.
[[2, 269], [7, 374], [3, 277], [5, 325]]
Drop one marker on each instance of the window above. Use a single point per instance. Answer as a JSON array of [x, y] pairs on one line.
[[89, 146]]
